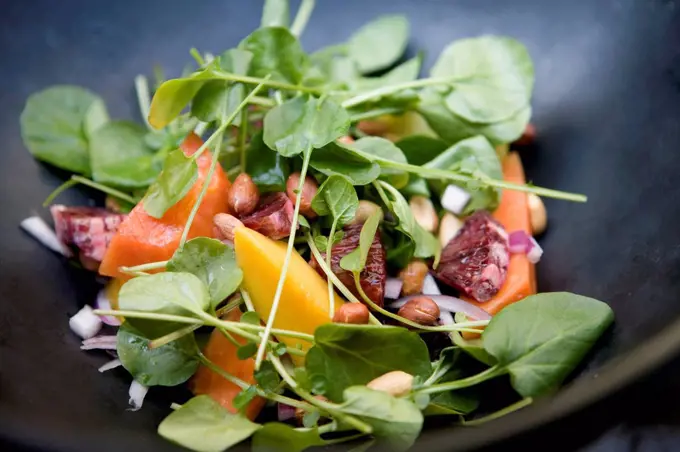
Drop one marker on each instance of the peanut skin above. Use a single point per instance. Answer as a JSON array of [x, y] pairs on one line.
[[354, 313], [243, 195], [421, 310], [413, 276], [309, 189]]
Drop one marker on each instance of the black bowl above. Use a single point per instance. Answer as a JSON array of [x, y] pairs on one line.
[[607, 108]]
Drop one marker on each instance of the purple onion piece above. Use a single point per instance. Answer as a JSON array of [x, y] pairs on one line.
[[99, 343], [104, 303], [285, 412]]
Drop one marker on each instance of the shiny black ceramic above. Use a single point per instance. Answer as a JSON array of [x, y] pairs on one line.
[[607, 108]]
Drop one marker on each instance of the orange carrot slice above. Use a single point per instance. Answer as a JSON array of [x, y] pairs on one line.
[[222, 352], [142, 238]]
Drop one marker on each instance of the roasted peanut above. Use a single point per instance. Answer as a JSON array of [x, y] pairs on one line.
[[424, 213], [528, 136], [396, 383], [243, 195], [421, 310], [346, 139], [355, 313], [537, 214], [448, 228], [309, 189], [413, 277], [365, 210], [226, 224]]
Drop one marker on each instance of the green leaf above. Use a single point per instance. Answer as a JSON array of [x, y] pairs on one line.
[[178, 176], [426, 244], [173, 95], [213, 262], [220, 98], [204, 425], [267, 168], [163, 293], [473, 347], [379, 43], [303, 123], [338, 159], [347, 355], [251, 318], [267, 377], [541, 339], [420, 149], [276, 51], [338, 198], [451, 404], [120, 156], [396, 422], [472, 156], [246, 351], [380, 147], [493, 77], [405, 72], [355, 261], [168, 365], [56, 125], [275, 13], [244, 397], [277, 437]]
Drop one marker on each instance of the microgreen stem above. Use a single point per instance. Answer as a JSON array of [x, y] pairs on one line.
[[268, 83], [302, 17], [263, 101], [247, 300], [435, 173], [59, 190], [103, 188], [143, 98], [243, 385], [228, 335], [329, 250], [375, 113], [390, 89], [148, 315], [145, 267], [344, 439], [286, 261], [230, 306], [200, 128], [242, 135], [500, 413], [197, 56], [161, 341], [336, 282], [215, 160], [488, 374], [331, 408]]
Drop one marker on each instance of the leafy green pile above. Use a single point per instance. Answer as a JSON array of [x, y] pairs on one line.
[[271, 108]]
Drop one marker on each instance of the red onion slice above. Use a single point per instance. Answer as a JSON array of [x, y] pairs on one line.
[[137, 393], [520, 242], [110, 365], [393, 288], [445, 317], [534, 254], [430, 286], [104, 303], [448, 303], [285, 412], [99, 343]]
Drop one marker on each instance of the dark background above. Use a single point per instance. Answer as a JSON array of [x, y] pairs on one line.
[[607, 107]]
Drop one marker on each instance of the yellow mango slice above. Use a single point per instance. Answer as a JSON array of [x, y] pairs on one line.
[[304, 301]]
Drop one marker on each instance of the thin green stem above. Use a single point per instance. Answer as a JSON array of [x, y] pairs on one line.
[[344, 439], [331, 408], [197, 56], [200, 128], [148, 315], [375, 113], [302, 17], [161, 341], [488, 374], [230, 306], [390, 89], [145, 267], [242, 135], [263, 101], [286, 261], [228, 335], [247, 300], [332, 276], [103, 188], [243, 385], [143, 98], [500, 413], [59, 190], [268, 83], [215, 161], [329, 250]]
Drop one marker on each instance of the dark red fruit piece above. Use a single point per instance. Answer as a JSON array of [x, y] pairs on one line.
[[90, 229], [374, 275], [476, 260], [272, 217]]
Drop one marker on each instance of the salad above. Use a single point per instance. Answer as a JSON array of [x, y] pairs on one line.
[[325, 247]]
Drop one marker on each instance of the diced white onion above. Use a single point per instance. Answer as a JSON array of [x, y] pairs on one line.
[[455, 199], [110, 365], [393, 288], [37, 227], [430, 286], [85, 323], [137, 393], [104, 303]]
